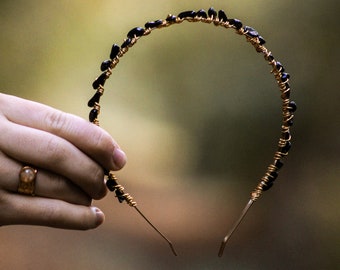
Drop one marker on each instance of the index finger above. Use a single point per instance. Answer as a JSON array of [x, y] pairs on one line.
[[89, 138]]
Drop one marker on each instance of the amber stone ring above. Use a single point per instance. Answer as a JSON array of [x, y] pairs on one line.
[[27, 178]]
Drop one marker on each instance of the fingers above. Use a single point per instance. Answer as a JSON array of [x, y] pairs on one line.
[[20, 209], [45, 150], [89, 138], [47, 184]]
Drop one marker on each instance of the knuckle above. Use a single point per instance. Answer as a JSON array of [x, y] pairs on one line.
[[56, 120]]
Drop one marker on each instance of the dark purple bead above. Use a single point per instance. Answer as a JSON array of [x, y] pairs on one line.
[[261, 40], [284, 77], [212, 13], [267, 186], [187, 14], [278, 164], [171, 18], [126, 43], [272, 176], [250, 32], [95, 99], [105, 65], [290, 122], [236, 23], [280, 67], [136, 32], [110, 183], [285, 135], [114, 51], [202, 14], [153, 24], [292, 106], [99, 81], [93, 115], [120, 195], [222, 16], [286, 94], [285, 148]]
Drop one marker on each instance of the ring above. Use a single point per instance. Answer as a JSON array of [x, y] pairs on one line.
[[27, 178]]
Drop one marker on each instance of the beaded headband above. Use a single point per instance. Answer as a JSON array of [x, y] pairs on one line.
[[252, 36]]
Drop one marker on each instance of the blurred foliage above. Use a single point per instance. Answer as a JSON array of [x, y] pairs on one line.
[[198, 114]]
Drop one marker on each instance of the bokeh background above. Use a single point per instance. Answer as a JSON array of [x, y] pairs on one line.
[[198, 114]]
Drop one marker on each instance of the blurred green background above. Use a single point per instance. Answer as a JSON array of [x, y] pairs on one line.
[[198, 114]]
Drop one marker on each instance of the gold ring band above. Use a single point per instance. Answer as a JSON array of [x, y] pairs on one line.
[[27, 178]]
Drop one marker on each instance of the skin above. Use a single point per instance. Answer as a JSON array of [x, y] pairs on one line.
[[69, 154]]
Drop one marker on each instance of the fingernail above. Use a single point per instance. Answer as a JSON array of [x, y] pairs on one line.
[[99, 215], [119, 158]]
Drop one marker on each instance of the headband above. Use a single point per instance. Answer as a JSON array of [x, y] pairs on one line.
[[219, 19]]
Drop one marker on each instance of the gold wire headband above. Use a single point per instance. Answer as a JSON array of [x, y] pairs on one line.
[[252, 36]]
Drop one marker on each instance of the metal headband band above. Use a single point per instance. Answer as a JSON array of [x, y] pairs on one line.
[[252, 36]]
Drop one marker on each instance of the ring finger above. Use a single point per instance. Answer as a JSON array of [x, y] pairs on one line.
[[47, 184]]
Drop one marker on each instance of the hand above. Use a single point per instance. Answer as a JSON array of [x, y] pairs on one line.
[[69, 154]]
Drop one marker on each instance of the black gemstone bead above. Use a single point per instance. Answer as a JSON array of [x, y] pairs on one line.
[[153, 24], [284, 77], [110, 183], [286, 135], [250, 32], [171, 18], [202, 14], [212, 13], [93, 115], [290, 122], [236, 23], [120, 196], [267, 186], [114, 51], [292, 106], [261, 39], [286, 94], [126, 43], [286, 148], [278, 164], [95, 99], [136, 32], [99, 81], [222, 16], [105, 65], [280, 67], [272, 176], [187, 14]]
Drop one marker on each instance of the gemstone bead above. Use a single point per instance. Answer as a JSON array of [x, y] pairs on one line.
[[114, 51], [153, 24], [278, 164], [284, 77], [105, 65], [110, 183], [93, 115], [95, 99], [285, 135], [222, 16], [212, 13], [126, 43], [279, 67], [202, 14], [261, 40], [267, 186], [187, 14], [236, 23], [136, 32], [99, 81], [272, 176], [286, 148], [120, 195], [292, 106], [250, 32], [171, 18]]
